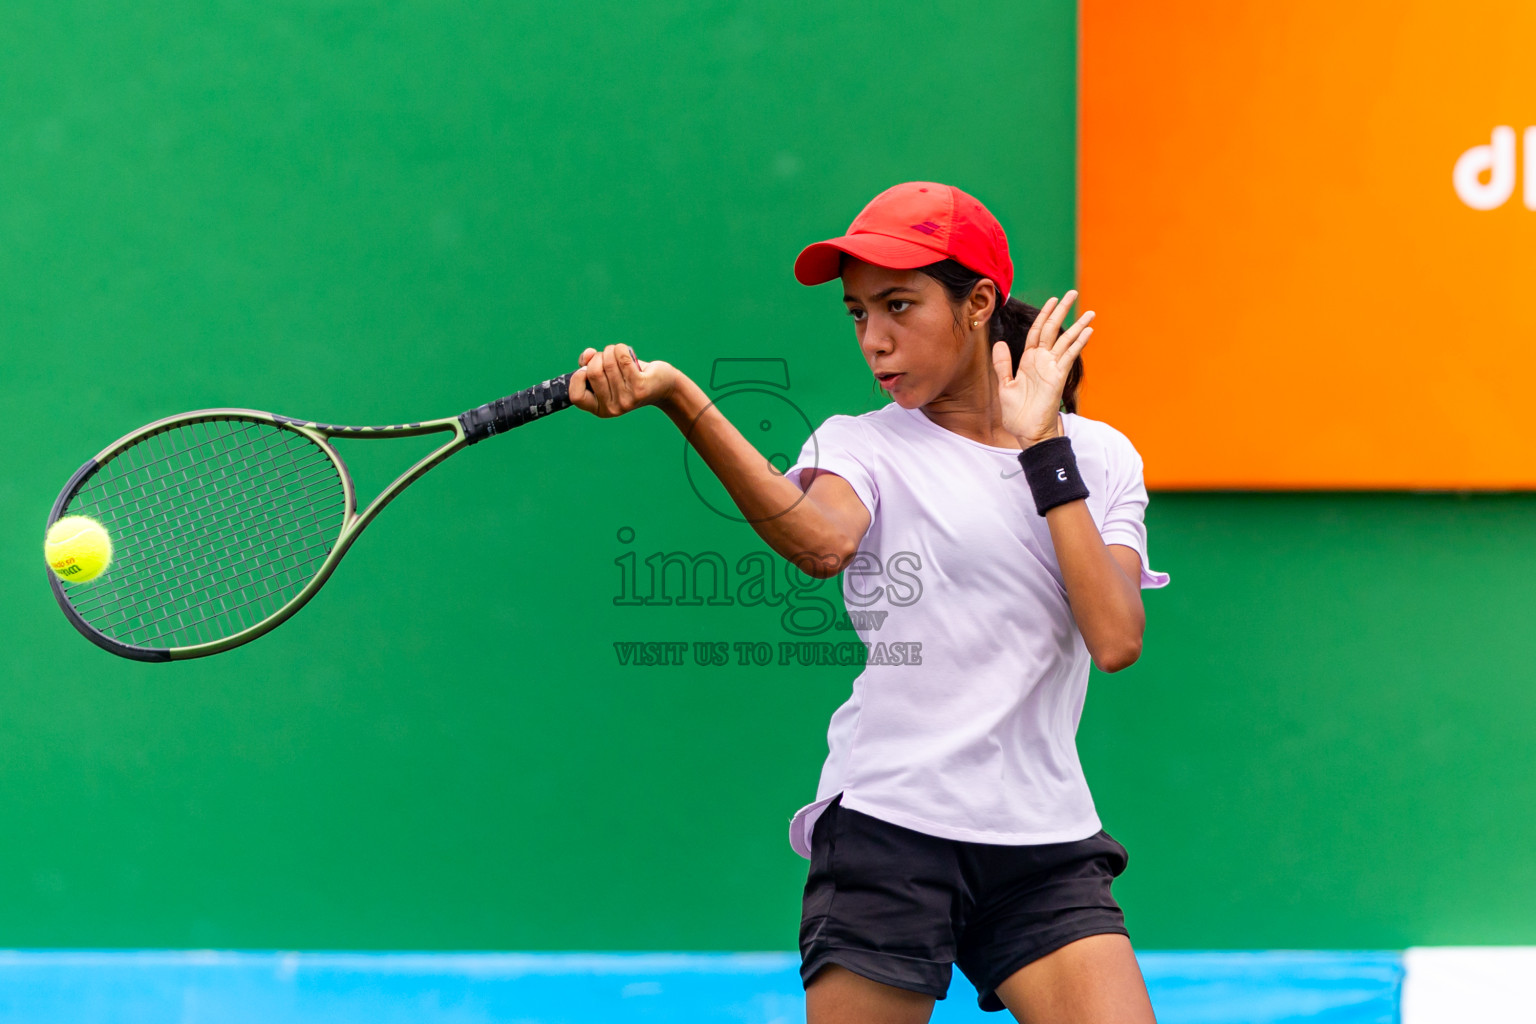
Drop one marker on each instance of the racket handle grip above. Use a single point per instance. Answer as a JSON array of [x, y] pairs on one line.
[[502, 415]]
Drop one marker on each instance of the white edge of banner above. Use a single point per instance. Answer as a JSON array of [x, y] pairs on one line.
[[1466, 984]]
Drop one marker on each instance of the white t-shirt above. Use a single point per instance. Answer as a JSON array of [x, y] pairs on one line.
[[977, 739]]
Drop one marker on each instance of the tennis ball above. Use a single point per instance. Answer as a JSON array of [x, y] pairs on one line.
[[78, 548]]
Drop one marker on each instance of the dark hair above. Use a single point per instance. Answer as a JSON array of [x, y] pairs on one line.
[[1010, 321]]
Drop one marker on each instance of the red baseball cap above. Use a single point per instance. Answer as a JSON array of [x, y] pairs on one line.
[[912, 225]]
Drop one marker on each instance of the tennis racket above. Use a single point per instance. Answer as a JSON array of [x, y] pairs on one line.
[[225, 522]]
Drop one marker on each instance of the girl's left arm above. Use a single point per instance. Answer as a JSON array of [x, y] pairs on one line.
[[1103, 586], [1103, 580]]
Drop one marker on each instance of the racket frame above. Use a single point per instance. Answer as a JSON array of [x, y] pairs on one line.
[[352, 523], [469, 427]]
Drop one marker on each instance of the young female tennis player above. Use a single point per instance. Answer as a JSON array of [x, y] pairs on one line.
[[1003, 535]]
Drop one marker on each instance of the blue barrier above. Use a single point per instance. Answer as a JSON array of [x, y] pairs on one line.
[[1274, 987], [84, 987]]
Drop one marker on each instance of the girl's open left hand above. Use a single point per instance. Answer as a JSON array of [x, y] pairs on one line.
[[1032, 399]]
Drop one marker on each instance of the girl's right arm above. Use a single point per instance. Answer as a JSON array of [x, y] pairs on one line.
[[818, 530]]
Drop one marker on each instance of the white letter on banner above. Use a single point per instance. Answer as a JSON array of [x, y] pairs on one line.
[[1530, 169], [1498, 160]]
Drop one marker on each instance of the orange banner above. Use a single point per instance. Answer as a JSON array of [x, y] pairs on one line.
[[1309, 232]]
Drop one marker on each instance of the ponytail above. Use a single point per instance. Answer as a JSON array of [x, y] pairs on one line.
[[1010, 321]]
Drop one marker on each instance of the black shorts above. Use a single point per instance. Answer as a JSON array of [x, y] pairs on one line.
[[901, 906]]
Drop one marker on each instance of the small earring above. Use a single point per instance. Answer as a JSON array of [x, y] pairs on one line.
[[975, 323]]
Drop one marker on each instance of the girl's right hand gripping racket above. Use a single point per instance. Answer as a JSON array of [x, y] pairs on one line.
[[224, 522]]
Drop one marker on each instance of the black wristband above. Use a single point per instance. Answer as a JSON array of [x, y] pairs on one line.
[[1051, 469]]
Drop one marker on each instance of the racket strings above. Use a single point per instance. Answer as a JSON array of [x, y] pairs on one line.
[[323, 547], [141, 575], [151, 526], [199, 571], [213, 445], [216, 524], [182, 442], [207, 557], [206, 579], [141, 543]]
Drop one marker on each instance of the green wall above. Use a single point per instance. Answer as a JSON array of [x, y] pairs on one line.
[[375, 212], [1328, 741]]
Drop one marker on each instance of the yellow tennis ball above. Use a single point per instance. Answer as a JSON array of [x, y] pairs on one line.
[[78, 548]]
